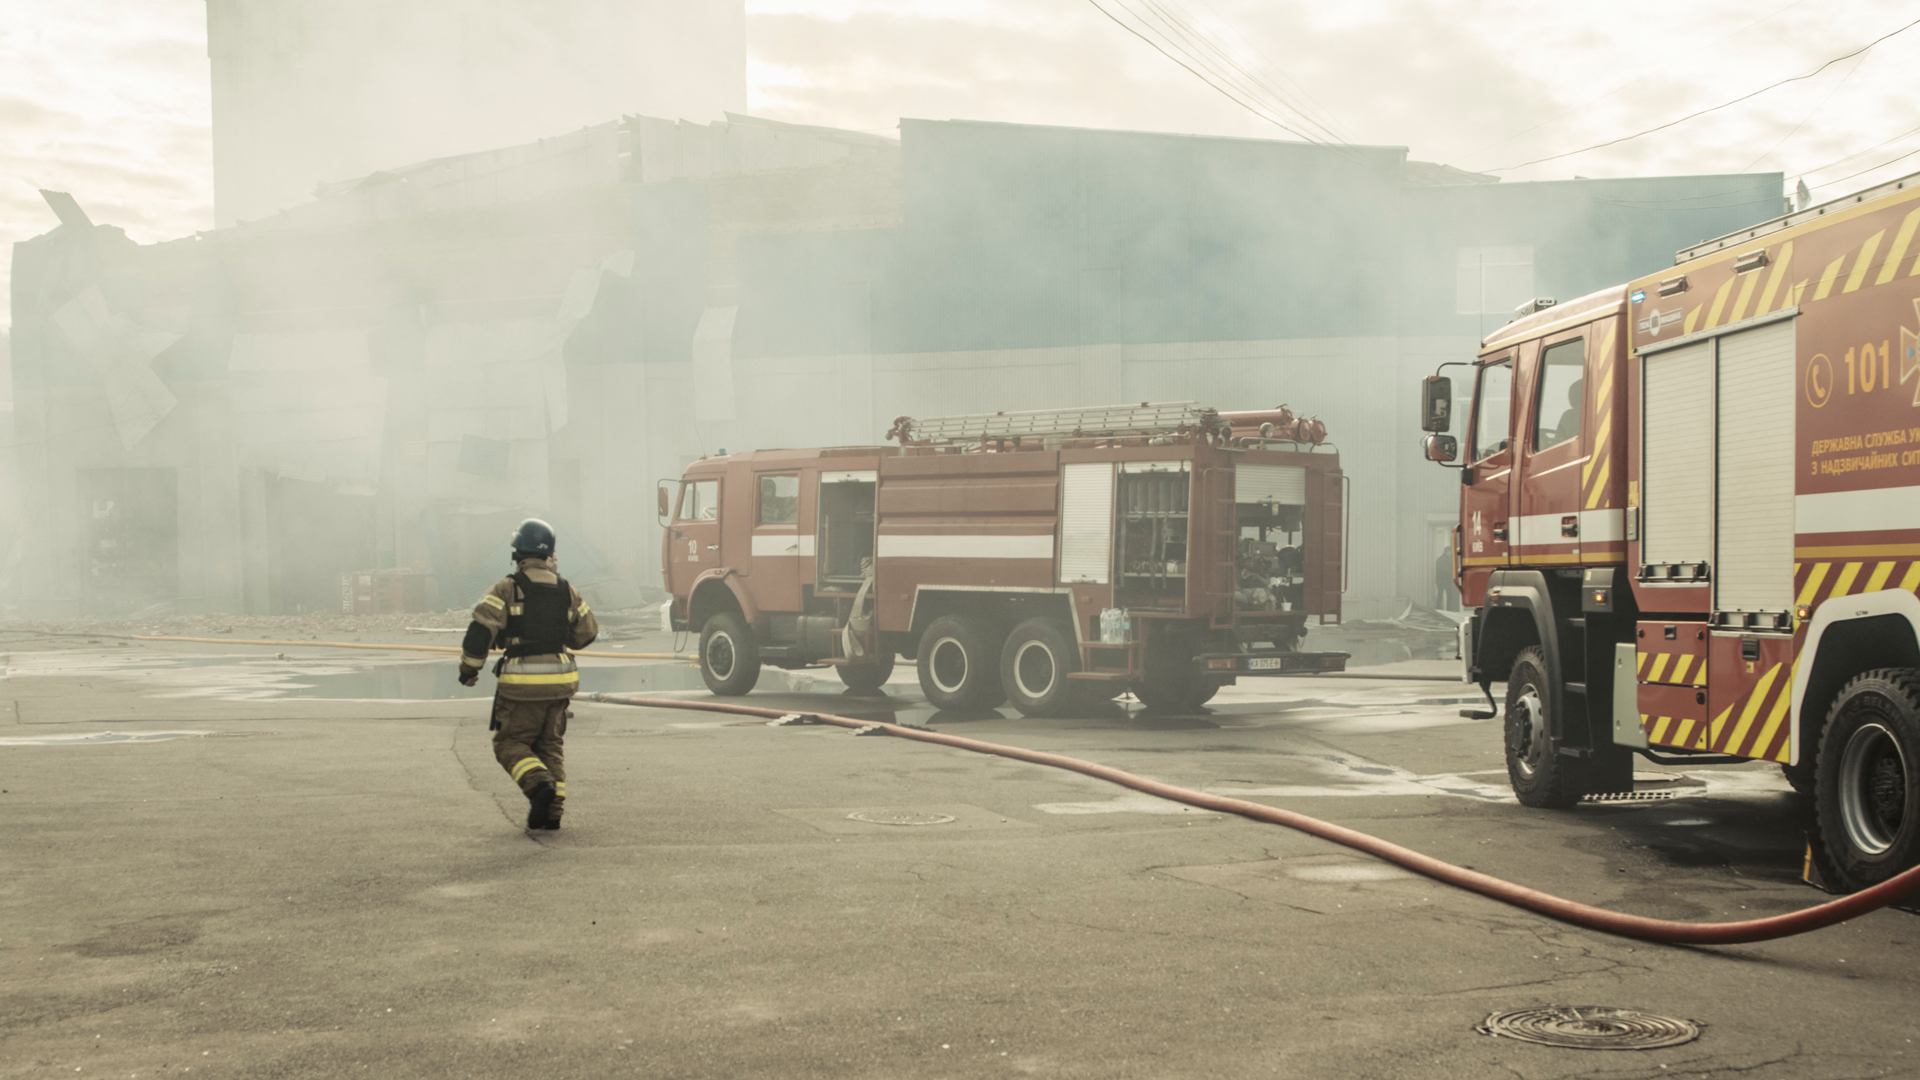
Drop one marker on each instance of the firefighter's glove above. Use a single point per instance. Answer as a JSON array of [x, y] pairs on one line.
[[469, 676]]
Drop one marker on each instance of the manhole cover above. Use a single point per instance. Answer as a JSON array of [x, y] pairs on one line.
[[899, 817], [1590, 1027]]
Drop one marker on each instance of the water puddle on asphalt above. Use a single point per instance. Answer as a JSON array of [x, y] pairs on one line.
[[103, 737]]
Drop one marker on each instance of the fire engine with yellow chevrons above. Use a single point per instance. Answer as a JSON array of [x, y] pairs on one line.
[[1690, 523]]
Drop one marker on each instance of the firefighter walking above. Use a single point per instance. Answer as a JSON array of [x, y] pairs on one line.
[[537, 618]]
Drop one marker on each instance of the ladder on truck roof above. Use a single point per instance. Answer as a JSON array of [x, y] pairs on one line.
[[1096, 421]]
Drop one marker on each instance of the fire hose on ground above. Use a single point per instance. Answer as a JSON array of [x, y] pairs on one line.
[[1665, 931]]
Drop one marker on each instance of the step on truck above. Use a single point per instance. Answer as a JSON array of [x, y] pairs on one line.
[[1051, 559], [1690, 523]]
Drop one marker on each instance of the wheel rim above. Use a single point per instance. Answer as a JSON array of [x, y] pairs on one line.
[[948, 665], [1528, 723], [1034, 670], [1873, 789], [720, 655]]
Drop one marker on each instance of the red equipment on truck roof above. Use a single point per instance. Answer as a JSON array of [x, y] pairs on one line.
[[1045, 558]]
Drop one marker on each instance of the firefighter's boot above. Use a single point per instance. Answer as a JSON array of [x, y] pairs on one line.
[[540, 800]]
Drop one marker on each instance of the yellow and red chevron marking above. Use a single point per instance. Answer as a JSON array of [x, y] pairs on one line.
[[1752, 726], [1596, 474], [1755, 724], [1676, 731], [1674, 668], [1817, 580]]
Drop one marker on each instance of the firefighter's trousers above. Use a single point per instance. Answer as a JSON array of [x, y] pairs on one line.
[[530, 745]]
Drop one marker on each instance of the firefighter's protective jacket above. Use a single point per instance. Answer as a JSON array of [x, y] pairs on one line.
[[506, 618]]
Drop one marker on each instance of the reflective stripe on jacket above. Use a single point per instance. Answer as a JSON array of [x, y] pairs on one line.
[[533, 678]]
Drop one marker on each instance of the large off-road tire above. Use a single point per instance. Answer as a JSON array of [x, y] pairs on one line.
[[1540, 776], [1867, 791], [729, 655], [1034, 665], [959, 662], [866, 678]]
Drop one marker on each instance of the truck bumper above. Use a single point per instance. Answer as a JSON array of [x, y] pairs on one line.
[[1270, 662]]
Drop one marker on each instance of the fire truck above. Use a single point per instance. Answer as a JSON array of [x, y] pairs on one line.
[[1050, 559], [1690, 523]]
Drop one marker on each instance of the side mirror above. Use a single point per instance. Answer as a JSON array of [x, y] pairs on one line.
[[1442, 448], [1436, 404], [666, 504]]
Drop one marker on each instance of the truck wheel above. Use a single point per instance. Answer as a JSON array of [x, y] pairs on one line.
[[729, 656], [1534, 766], [959, 663], [1034, 666], [866, 678], [1867, 795]]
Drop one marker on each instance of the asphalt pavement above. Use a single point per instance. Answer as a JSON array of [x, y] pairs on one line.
[[240, 862]]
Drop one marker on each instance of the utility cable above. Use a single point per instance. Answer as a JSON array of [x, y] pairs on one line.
[[1839, 86], [1281, 75], [1229, 94], [1666, 931], [1182, 23], [1235, 94], [1715, 108], [1630, 82]]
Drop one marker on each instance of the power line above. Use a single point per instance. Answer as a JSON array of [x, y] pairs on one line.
[[1672, 204], [1841, 85], [1860, 153], [1630, 82], [1182, 25], [1713, 109], [1278, 72], [1874, 168], [1234, 95], [1263, 79], [1166, 28]]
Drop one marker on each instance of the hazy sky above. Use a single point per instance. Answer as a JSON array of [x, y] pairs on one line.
[[108, 98]]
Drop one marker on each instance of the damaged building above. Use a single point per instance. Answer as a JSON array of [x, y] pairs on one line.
[[390, 375]]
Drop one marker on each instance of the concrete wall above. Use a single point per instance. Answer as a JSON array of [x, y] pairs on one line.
[[440, 366]]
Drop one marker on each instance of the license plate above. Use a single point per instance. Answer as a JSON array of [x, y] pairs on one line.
[[1265, 663]]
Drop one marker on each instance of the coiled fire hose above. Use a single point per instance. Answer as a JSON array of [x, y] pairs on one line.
[[1666, 931]]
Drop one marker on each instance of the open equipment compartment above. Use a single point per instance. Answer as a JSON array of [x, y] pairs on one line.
[[846, 529], [1153, 508]]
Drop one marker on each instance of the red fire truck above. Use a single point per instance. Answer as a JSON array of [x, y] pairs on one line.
[[1043, 558], [1690, 523]]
